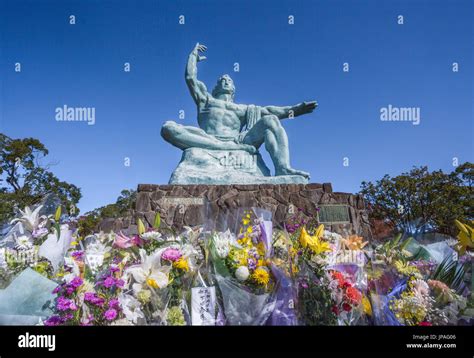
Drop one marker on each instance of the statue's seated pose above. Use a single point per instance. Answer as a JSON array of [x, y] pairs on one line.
[[225, 125]]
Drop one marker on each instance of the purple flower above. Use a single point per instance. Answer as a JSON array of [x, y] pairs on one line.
[[114, 303], [53, 321], [98, 301], [304, 284], [65, 304], [70, 290], [171, 254], [114, 269], [89, 296], [109, 282], [110, 314], [57, 289], [78, 255], [252, 263], [76, 282], [120, 283]]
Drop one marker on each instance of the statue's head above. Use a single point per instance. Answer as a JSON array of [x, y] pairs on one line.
[[224, 85]]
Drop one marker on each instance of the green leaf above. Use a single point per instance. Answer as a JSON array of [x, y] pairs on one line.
[[157, 222], [405, 243], [141, 227]]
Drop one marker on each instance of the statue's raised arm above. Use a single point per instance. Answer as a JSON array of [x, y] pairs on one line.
[[197, 88]]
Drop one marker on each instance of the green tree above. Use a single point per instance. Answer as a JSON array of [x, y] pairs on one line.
[[24, 181], [432, 200], [121, 208]]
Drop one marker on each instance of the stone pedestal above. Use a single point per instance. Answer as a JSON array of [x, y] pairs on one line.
[[189, 205], [205, 166]]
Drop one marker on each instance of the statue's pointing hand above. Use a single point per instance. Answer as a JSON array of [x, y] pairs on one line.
[[306, 107], [200, 49]]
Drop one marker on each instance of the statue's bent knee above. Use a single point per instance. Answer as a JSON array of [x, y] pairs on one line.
[[169, 129], [271, 122]]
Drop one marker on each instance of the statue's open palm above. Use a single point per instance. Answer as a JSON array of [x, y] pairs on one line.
[[198, 49]]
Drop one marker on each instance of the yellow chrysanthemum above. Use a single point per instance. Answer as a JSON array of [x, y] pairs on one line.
[[238, 257], [181, 264], [261, 276], [406, 269]]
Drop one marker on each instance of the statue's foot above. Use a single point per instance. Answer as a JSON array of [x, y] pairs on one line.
[[291, 171]]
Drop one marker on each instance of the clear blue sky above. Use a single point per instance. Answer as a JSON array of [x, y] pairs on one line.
[[82, 65]]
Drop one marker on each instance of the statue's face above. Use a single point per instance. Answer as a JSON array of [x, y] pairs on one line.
[[225, 84]]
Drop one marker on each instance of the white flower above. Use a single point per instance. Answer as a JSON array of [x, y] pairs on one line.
[[131, 308], [23, 242], [332, 236], [95, 253], [421, 289], [242, 273], [150, 273], [31, 220], [69, 261], [221, 241], [191, 254], [151, 235]]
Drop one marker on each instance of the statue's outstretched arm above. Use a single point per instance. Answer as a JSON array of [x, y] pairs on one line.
[[288, 111], [197, 88]]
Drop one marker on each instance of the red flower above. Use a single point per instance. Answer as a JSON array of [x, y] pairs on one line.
[[353, 295], [339, 277], [346, 307], [335, 309]]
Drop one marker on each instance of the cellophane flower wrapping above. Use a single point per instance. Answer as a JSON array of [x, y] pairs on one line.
[[241, 254]]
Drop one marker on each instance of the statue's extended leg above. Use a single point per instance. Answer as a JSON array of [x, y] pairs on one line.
[[185, 137], [269, 130]]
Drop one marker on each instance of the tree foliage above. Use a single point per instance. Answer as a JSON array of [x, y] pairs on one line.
[[24, 181], [423, 199], [121, 208]]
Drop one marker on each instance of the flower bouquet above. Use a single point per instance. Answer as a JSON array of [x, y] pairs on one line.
[[242, 268]]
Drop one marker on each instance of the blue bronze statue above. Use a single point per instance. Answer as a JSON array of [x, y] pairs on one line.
[[224, 150]]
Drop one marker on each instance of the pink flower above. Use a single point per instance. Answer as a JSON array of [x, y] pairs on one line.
[[171, 254], [125, 242]]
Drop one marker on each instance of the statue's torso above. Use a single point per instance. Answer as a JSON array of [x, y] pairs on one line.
[[221, 118]]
